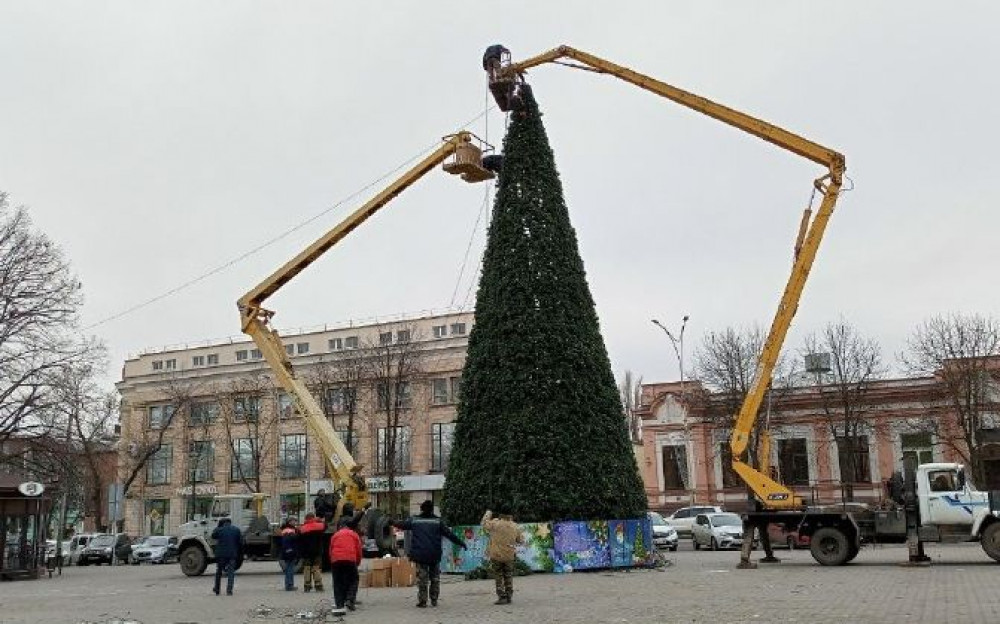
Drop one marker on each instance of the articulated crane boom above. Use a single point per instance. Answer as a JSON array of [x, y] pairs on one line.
[[255, 319], [507, 78]]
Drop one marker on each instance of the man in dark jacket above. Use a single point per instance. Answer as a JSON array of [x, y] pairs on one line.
[[228, 547], [426, 531], [324, 506]]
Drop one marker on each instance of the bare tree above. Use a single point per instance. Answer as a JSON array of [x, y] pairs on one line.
[[855, 364], [143, 440], [250, 430], [39, 301], [394, 365], [726, 365], [339, 382], [630, 391], [962, 351]]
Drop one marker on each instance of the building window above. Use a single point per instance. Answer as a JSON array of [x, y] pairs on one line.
[[404, 398], [351, 442], [919, 446], [157, 511], [170, 364], [336, 344], [241, 355], [203, 414], [158, 466], [442, 435], [292, 456], [341, 400], [255, 354], [393, 439], [243, 465], [213, 359], [445, 390], [201, 456], [160, 416], [458, 329], [286, 406], [674, 467], [198, 360], [246, 408], [385, 338], [403, 336], [351, 342], [302, 348], [157, 365], [729, 477], [793, 461], [290, 349], [440, 331], [861, 472]]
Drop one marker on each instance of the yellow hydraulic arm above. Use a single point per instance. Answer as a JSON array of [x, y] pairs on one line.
[[772, 495], [255, 319]]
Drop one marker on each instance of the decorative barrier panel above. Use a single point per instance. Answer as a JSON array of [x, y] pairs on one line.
[[561, 546]]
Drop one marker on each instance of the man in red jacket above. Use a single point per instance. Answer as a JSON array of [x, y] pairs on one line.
[[345, 556], [312, 549]]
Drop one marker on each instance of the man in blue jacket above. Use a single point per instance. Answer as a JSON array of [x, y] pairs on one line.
[[426, 531], [228, 544]]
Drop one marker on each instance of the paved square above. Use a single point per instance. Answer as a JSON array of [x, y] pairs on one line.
[[961, 586]]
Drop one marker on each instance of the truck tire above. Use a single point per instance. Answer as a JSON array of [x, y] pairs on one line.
[[193, 560], [991, 541], [380, 530], [830, 547]]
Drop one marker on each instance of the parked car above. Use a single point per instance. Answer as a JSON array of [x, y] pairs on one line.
[[154, 549], [102, 548], [683, 518], [780, 536], [50, 552], [76, 545], [717, 530], [664, 535]]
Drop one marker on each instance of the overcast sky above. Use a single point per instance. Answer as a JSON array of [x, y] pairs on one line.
[[156, 141]]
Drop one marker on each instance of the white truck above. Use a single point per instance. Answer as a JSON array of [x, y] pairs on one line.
[[931, 503], [247, 512]]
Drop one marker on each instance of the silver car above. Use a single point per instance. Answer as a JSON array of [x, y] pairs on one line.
[[683, 518], [155, 549], [664, 535], [717, 530]]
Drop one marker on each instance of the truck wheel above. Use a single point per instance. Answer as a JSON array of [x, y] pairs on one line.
[[830, 547], [991, 541], [852, 553], [193, 560]]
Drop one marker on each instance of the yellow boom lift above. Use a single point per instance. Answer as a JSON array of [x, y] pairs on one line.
[[506, 84], [466, 155]]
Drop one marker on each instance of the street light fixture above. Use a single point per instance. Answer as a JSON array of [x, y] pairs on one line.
[[678, 344]]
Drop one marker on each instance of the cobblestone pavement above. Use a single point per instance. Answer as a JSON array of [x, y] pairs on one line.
[[961, 586]]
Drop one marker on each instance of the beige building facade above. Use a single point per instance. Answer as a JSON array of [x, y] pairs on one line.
[[207, 420]]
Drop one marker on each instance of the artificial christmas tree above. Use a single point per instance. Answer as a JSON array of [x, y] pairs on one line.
[[540, 432]]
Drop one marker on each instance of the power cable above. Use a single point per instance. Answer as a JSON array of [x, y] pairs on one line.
[[273, 240]]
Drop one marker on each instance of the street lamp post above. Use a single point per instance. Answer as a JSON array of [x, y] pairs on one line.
[[677, 342]]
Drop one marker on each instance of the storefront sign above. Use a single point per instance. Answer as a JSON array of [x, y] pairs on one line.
[[31, 488], [206, 489], [409, 483]]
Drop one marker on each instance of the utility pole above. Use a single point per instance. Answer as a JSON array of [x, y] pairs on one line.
[[677, 342]]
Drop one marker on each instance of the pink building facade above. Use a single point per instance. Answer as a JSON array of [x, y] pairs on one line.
[[685, 457]]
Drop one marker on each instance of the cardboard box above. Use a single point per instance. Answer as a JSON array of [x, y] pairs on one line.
[[364, 579], [384, 563], [404, 572], [380, 578]]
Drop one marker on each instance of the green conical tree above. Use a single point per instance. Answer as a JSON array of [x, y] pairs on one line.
[[540, 431]]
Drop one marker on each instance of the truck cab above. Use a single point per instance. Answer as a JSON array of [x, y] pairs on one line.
[[948, 499], [248, 512]]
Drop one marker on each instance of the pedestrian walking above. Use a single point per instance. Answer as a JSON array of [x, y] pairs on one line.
[[426, 531], [312, 549], [289, 552], [345, 556], [504, 536], [228, 548], [353, 519]]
